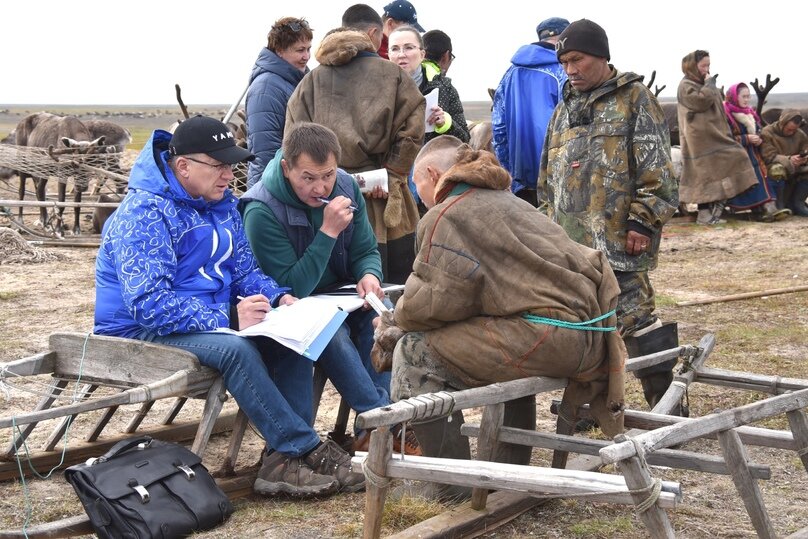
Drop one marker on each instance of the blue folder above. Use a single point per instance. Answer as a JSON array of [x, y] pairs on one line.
[[318, 345]]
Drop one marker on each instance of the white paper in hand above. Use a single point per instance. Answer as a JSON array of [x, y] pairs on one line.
[[431, 102]]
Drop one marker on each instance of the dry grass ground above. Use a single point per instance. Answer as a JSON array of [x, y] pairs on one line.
[[764, 335]]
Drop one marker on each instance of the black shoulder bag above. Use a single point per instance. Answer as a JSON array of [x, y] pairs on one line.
[[146, 488]]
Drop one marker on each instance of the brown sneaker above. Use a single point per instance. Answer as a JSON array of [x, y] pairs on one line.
[[411, 445], [332, 460], [283, 474]]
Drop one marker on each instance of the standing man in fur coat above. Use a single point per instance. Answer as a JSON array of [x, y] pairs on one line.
[[377, 112]]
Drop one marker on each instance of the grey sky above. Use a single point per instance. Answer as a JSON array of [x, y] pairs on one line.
[[92, 52]]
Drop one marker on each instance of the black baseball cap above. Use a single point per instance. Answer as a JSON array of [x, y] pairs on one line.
[[202, 134], [404, 11]]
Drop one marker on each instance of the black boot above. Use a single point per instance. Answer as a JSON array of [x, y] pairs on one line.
[[519, 414], [657, 379], [439, 438]]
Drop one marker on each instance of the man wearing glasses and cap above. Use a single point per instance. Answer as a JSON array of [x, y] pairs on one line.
[[523, 103], [397, 13], [173, 259], [785, 151]]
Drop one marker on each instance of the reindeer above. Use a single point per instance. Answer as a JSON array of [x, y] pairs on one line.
[[481, 136], [116, 138], [5, 172], [45, 130]]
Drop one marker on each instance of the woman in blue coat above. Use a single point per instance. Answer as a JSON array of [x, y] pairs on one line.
[[279, 68]]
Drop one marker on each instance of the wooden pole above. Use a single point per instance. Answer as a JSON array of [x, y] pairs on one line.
[[487, 444], [735, 455], [745, 295], [51, 203], [379, 453], [439, 404], [672, 458], [673, 396], [798, 421], [713, 423], [635, 472]]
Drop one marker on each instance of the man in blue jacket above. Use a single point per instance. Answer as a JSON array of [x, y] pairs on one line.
[[523, 104], [172, 261]]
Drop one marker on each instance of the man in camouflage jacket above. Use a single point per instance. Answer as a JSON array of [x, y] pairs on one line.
[[606, 177]]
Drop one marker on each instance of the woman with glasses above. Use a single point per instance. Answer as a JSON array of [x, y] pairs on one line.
[[406, 49], [277, 71]]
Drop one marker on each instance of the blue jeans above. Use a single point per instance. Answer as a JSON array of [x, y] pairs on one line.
[[346, 364], [361, 325], [260, 381]]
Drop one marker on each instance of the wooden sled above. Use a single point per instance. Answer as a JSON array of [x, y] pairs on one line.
[[139, 373], [520, 487]]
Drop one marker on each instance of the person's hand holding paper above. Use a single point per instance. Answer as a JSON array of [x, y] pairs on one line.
[[369, 283], [431, 102]]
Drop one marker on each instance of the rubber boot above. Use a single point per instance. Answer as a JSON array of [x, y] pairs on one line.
[[519, 414], [439, 438], [655, 380]]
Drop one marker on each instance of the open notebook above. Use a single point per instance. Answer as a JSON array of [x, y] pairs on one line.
[[306, 326]]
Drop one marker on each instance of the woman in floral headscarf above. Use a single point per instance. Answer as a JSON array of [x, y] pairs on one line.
[[744, 123]]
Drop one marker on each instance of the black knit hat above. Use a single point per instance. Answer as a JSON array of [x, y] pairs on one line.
[[584, 36]]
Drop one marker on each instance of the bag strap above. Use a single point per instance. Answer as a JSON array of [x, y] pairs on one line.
[[124, 446]]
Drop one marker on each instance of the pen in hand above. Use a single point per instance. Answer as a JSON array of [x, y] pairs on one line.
[[326, 201]]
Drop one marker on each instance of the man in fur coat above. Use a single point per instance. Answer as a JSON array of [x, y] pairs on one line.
[[785, 151], [377, 112], [499, 292]]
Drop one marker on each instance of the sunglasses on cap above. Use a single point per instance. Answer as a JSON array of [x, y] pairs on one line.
[[296, 26]]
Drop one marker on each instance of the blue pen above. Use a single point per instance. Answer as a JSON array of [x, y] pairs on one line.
[[326, 201]]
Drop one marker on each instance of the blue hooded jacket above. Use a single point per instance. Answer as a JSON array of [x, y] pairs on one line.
[[272, 82], [171, 263], [523, 104]]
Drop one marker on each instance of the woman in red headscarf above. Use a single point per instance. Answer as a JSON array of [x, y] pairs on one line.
[[744, 123]]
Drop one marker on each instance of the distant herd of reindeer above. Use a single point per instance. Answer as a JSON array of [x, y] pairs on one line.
[[46, 130]]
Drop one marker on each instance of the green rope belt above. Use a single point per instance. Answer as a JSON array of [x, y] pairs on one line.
[[583, 326]]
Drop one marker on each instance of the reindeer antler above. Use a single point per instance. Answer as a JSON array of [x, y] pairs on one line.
[[183, 108], [651, 80], [763, 92]]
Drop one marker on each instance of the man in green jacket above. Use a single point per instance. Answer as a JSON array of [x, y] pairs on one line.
[[306, 220], [606, 177]]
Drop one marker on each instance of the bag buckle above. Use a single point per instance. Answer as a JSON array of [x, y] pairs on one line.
[[189, 473], [90, 461], [143, 445], [144, 494]]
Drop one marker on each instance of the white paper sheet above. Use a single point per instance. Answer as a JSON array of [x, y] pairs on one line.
[[431, 101]]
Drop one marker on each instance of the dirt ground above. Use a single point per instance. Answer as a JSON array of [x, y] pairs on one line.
[[766, 335]]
